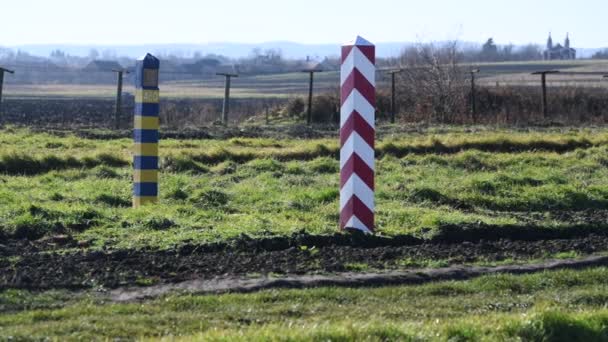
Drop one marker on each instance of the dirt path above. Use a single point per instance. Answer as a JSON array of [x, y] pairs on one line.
[[242, 285]]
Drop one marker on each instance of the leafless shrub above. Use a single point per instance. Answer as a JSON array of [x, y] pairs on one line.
[[325, 107], [295, 107], [433, 82]]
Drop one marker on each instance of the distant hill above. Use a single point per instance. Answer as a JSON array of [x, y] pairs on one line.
[[232, 50], [236, 50]]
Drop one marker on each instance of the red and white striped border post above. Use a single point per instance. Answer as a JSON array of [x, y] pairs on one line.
[[357, 134]]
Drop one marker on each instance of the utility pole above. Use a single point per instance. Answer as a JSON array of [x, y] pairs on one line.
[[2, 71], [312, 68], [226, 106], [543, 78], [473, 99], [118, 111]]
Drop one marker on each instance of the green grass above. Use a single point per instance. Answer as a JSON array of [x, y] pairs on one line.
[[428, 183], [549, 306], [219, 189]]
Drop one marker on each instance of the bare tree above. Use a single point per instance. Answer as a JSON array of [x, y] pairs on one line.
[[433, 82]]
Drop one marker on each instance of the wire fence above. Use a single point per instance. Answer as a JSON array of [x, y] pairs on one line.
[[42, 96], [49, 96]]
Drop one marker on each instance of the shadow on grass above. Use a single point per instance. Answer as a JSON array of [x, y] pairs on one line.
[[21, 164], [399, 151], [17, 164], [443, 234], [559, 326]]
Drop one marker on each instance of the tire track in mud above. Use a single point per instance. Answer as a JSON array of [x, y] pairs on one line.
[[352, 280]]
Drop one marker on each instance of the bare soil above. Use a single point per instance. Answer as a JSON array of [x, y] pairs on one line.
[[59, 262]]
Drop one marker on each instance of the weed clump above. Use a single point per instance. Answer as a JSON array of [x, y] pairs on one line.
[[519, 181], [225, 168], [472, 161], [294, 168], [81, 218], [106, 159], [210, 199], [486, 187], [35, 222], [177, 194], [56, 197], [324, 165], [106, 172], [113, 201], [30, 227], [421, 195], [308, 201], [182, 163], [433, 160], [266, 165], [54, 145], [158, 223]]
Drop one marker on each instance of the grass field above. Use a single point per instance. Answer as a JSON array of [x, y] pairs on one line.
[[519, 73], [433, 182], [550, 306], [262, 86], [214, 190], [291, 84]]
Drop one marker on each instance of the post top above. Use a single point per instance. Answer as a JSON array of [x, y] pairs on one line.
[[359, 41], [149, 61], [7, 70], [312, 67], [227, 70], [545, 72]]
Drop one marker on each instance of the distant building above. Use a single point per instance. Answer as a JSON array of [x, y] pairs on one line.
[[558, 51], [103, 66]]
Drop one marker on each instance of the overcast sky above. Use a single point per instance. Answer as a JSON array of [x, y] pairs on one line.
[[117, 22]]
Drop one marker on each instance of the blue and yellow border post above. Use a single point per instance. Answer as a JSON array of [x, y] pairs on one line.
[[145, 133]]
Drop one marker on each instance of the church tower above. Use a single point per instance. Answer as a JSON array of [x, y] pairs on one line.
[[567, 42], [549, 42]]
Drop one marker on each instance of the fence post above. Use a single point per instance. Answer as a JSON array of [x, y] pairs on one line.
[[357, 135], [118, 105], [473, 97], [1, 86], [311, 68], [393, 105], [544, 94], [2, 70], [226, 105], [309, 109], [543, 84], [145, 133], [393, 73]]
